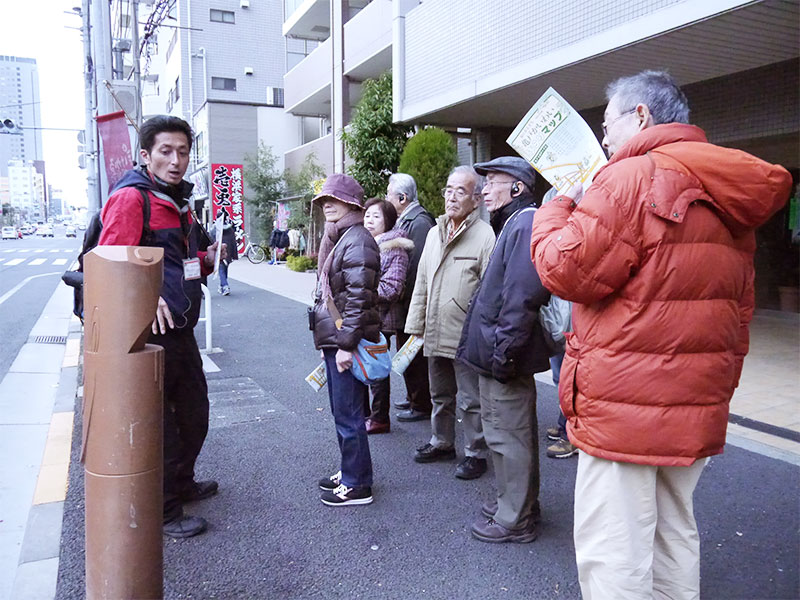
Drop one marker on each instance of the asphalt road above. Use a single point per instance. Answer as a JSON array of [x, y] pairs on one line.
[[30, 270], [272, 437]]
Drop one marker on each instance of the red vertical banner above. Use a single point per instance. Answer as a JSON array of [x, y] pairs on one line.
[[227, 195], [113, 130]]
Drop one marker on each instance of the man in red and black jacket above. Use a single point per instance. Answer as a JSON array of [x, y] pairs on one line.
[[166, 143]]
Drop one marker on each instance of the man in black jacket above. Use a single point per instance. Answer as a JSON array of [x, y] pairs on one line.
[[502, 341], [415, 222]]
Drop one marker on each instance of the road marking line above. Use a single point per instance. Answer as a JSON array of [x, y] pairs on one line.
[[2, 259], [25, 250], [51, 486], [209, 366], [39, 250], [36, 262], [60, 261], [14, 261], [7, 251], [56, 250], [16, 288]]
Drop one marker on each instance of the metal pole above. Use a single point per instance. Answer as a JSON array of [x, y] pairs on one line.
[[89, 123], [137, 75], [101, 41]]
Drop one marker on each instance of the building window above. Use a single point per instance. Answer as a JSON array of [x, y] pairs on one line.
[[177, 88], [172, 41], [222, 16], [223, 83]]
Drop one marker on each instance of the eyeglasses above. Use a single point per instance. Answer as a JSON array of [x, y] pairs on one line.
[[605, 125], [460, 193], [489, 184]]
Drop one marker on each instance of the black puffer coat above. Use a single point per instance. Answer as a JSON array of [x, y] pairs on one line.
[[354, 276]]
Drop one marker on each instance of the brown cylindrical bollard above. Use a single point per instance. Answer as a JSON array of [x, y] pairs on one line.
[[123, 436]]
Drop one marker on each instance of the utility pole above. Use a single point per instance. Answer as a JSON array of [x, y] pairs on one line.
[[90, 139], [137, 75], [101, 44]]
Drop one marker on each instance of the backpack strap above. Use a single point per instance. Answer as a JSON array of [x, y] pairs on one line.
[[147, 233]]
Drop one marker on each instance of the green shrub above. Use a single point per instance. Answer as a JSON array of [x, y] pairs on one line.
[[301, 264], [429, 157]]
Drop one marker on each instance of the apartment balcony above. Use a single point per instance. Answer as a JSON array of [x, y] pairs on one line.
[[311, 19], [322, 148], [368, 53]]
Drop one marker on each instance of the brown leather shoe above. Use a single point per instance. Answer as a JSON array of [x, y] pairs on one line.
[[374, 427], [491, 531]]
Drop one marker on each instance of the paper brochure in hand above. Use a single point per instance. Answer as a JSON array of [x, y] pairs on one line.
[[406, 354], [318, 377], [558, 143]]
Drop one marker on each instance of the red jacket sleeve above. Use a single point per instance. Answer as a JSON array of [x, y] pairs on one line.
[[585, 254], [122, 219]]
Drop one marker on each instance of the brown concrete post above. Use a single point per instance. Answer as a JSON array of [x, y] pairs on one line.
[[123, 436]]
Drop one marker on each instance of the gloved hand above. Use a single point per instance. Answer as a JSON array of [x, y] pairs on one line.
[[503, 370]]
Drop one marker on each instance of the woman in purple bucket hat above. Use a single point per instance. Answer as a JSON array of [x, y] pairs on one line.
[[347, 284]]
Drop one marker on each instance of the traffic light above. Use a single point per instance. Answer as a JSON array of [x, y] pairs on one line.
[[8, 126]]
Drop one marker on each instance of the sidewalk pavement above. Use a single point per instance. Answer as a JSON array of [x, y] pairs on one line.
[[765, 409], [38, 432]]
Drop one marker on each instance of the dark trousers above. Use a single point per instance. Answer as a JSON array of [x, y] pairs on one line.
[[185, 413], [348, 396], [380, 395], [555, 367], [418, 391]]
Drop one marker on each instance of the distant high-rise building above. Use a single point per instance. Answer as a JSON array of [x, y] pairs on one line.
[[19, 101]]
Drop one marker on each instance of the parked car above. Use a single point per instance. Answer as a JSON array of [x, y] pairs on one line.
[[45, 230], [70, 232], [9, 233]]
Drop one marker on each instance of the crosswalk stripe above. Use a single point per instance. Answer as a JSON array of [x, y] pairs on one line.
[[14, 261], [7, 251], [60, 261], [56, 250], [39, 250], [37, 261], [25, 250], [2, 259]]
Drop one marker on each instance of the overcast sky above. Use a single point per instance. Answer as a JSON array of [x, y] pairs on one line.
[[38, 29]]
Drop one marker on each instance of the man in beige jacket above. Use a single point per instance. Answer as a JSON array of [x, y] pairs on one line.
[[455, 256]]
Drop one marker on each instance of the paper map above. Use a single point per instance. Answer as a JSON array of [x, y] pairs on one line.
[[559, 144]]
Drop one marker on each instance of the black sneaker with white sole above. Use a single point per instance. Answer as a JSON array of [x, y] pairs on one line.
[[347, 496], [327, 484]]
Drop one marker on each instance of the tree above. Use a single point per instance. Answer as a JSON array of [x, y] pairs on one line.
[[300, 187], [374, 142], [429, 157], [267, 184]]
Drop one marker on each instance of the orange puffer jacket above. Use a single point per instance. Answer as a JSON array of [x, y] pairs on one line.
[[658, 259]]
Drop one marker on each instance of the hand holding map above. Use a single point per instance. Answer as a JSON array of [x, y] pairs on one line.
[[558, 143]]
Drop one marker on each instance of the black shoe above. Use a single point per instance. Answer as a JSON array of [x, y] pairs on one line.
[[429, 453], [346, 496], [413, 415], [184, 526], [327, 484], [199, 490], [491, 531], [402, 405], [471, 468]]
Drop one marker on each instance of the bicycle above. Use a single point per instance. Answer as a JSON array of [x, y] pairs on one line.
[[256, 253]]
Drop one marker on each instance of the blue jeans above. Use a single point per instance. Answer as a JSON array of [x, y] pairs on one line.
[[555, 366], [223, 274], [348, 398]]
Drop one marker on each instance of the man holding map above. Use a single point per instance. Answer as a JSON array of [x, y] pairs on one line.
[[658, 258]]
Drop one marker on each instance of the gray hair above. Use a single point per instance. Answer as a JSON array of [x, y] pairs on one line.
[[467, 170], [656, 89], [402, 183]]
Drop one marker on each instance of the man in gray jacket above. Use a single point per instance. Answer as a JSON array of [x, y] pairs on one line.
[[415, 222], [455, 256]]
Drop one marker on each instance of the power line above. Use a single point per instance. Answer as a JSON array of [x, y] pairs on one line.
[[19, 104]]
